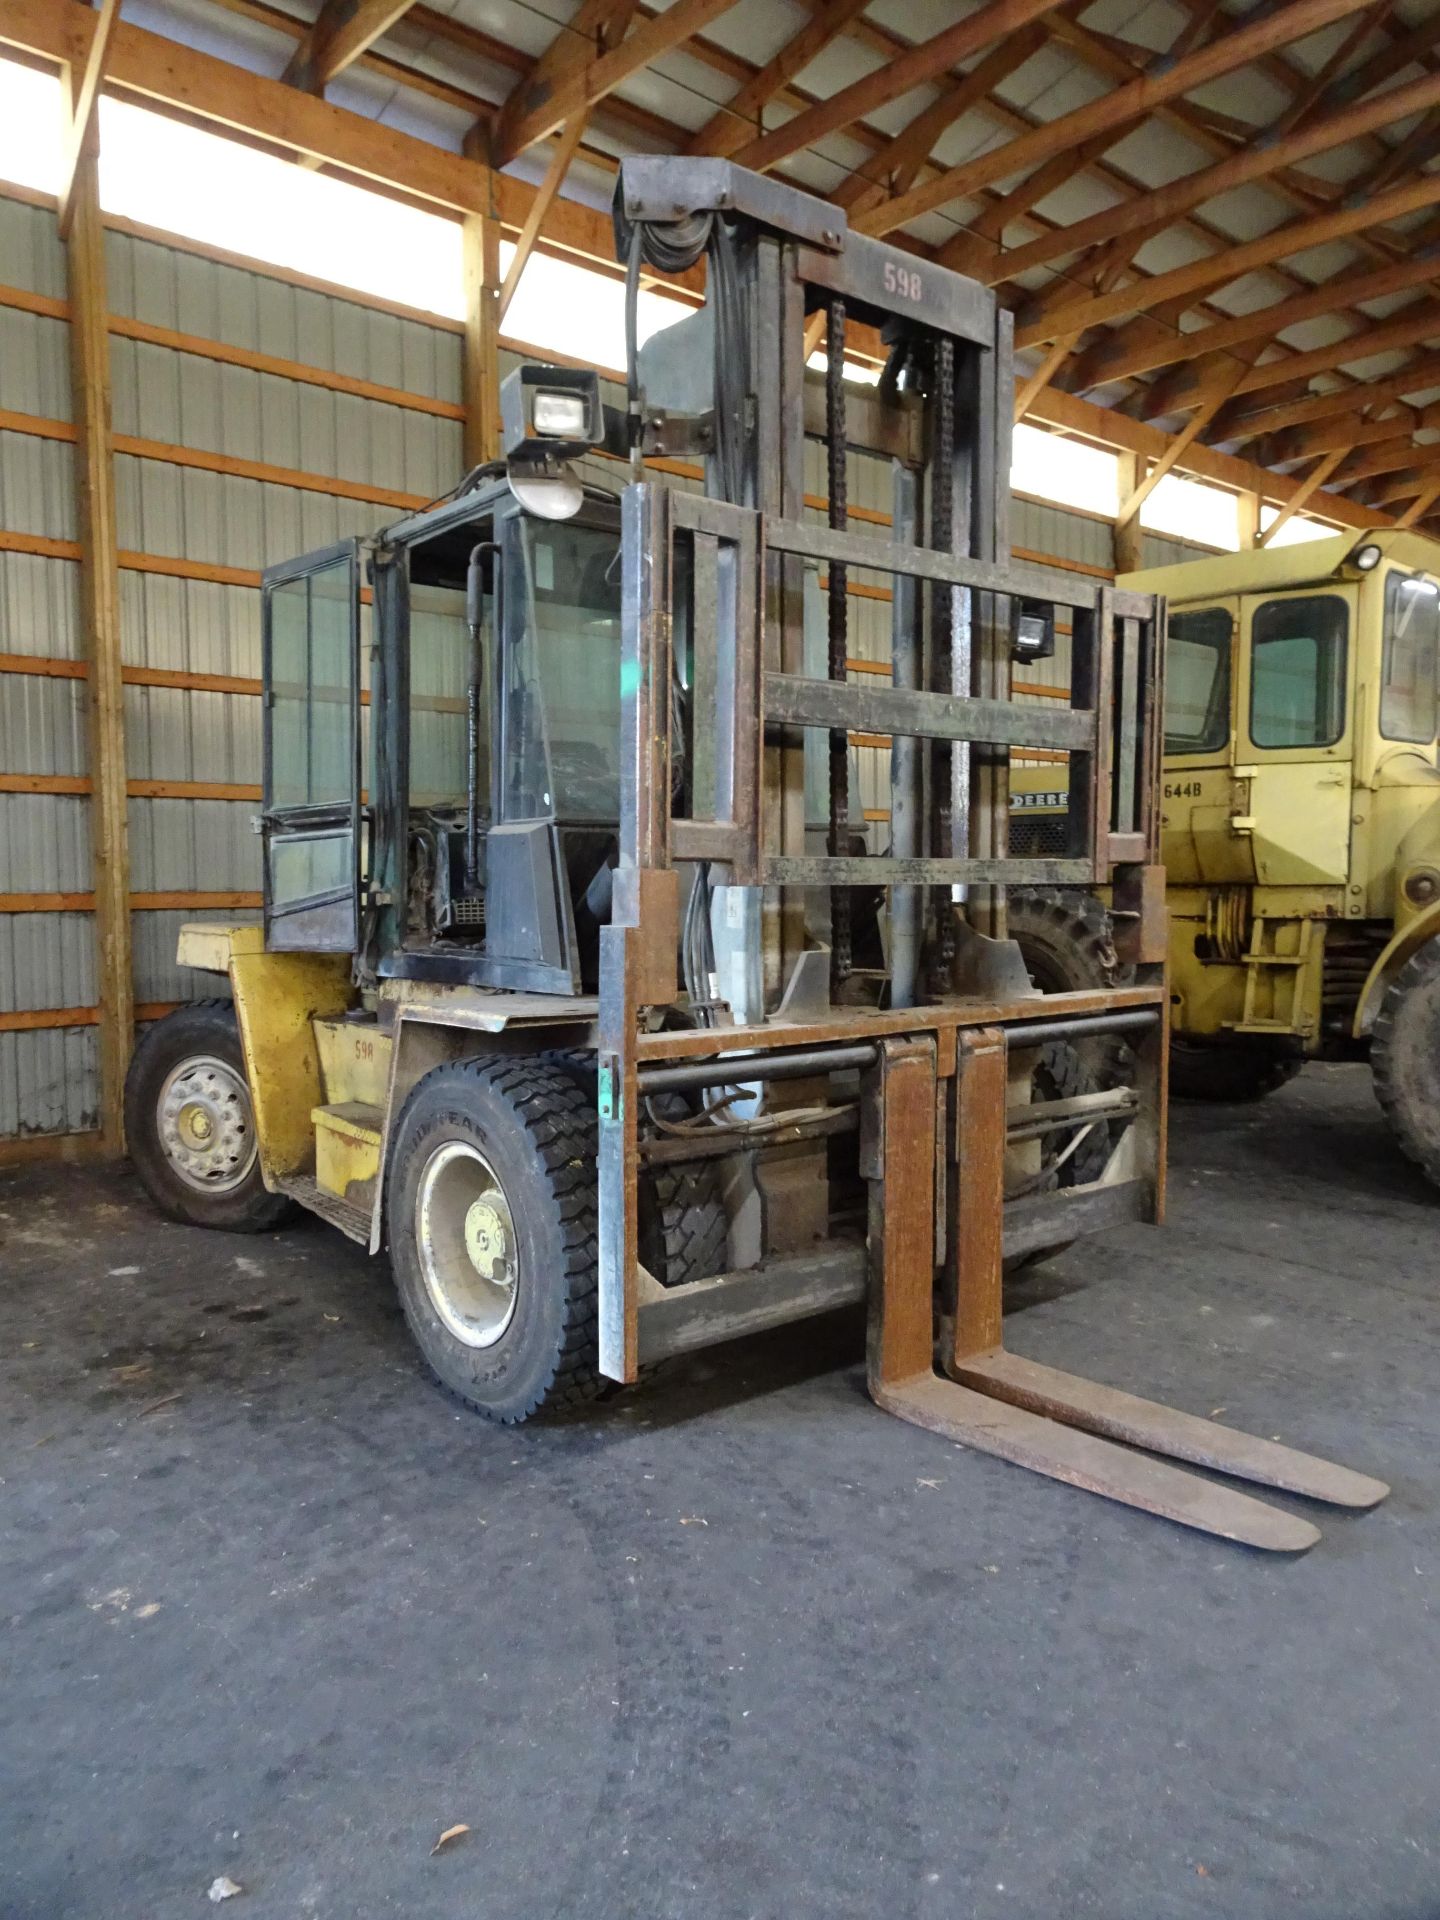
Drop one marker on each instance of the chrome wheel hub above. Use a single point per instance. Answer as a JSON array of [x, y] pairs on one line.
[[206, 1127], [465, 1236]]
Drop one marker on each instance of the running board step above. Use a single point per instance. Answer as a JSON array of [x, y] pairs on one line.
[[1031, 1440], [1181, 1436]]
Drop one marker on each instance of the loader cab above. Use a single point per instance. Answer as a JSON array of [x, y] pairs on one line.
[[1294, 681], [441, 744]]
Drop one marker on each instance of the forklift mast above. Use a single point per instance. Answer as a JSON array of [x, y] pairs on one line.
[[713, 593]]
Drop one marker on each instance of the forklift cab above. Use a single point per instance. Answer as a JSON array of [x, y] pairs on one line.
[[441, 741]]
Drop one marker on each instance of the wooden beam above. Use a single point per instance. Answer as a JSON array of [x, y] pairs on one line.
[[480, 357], [1345, 430], [1035, 384], [1199, 276], [1130, 508], [543, 102], [1392, 456], [912, 68], [1306, 490], [1140, 348], [1116, 110], [1410, 327], [1419, 506], [894, 168], [342, 32], [1254, 162], [100, 625], [1126, 537], [742, 115], [84, 92], [1274, 416]]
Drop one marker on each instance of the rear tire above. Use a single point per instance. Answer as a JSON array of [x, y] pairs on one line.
[[190, 1127], [1236, 1074], [1405, 1058], [493, 1234], [1065, 939]]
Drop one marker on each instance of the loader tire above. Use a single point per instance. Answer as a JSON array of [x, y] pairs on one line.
[[493, 1234], [1405, 1058], [1065, 939], [190, 1127], [683, 1222], [1235, 1074]]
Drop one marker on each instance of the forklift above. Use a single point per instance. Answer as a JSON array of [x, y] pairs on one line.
[[564, 996]]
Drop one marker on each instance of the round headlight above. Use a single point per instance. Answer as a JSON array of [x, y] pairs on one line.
[[1366, 557]]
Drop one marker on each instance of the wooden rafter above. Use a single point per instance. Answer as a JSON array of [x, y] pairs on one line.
[[1201, 276], [1394, 456], [1138, 349], [895, 167], [1122, 108], [611, 29], [84, 93], [1306, 491], [1416, 481], [1170, 458], [1419, 506], [1273, 415], [741, 117], [555, 90], [342, 32], [1410, 328], [910, 69], [1255, 162]]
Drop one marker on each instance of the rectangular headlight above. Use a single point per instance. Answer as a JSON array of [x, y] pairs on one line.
[[560, 416]]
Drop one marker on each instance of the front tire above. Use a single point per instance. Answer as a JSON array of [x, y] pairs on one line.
[[190, 1126], [1405, 1058], [493, 1234]]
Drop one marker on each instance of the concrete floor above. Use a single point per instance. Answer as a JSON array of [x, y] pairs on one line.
[[738, 1645]]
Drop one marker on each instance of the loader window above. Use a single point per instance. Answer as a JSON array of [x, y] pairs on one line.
[[1197, 681], [1412, 638], [1297, 671]]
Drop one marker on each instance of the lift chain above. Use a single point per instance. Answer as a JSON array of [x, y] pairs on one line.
[[837, 627], [947, 833]]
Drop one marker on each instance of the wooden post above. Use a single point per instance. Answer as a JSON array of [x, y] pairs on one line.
[[1131, 476], [100, 624], [481, 372], [1247, 519]]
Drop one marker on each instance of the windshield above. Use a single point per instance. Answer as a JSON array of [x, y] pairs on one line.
[[1197, 681], [561, 697], [1407, 682]]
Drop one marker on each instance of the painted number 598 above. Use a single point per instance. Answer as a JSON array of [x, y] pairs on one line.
[[901, 280]]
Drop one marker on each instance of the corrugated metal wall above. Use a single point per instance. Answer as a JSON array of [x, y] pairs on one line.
[[194, 531], [224, 466]]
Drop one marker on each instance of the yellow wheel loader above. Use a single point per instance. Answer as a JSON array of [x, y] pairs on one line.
[[563, 998], [1301, 820]]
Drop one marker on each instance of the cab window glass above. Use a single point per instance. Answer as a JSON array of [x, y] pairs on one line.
[[1412, 635], [1297, 671], [1197, 681]]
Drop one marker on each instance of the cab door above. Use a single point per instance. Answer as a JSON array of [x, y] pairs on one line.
[[1296, 742], [311, 825], [1199, 799]]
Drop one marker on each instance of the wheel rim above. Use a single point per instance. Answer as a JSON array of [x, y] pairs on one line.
[[206, 1127], [465, 1234]]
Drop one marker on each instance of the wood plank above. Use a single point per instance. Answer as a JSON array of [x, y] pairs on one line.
[[901, 1171], [977, 1217], [340, 34], [1122, 106], [83, 93], [101, 637], [904, 71], [124, 328], [542, 103]]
